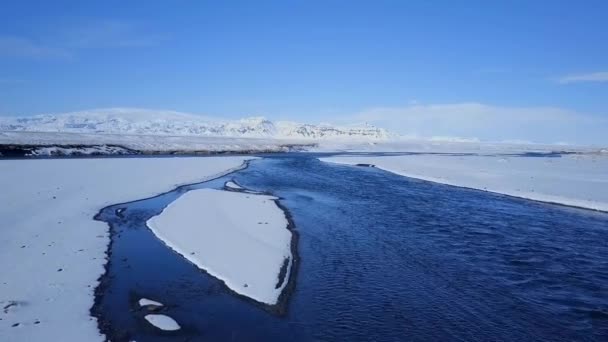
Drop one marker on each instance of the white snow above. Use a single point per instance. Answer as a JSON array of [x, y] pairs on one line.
[[233, 185], [238, 238], [52, 251], [146, 302], [163, 322], [574, 180]]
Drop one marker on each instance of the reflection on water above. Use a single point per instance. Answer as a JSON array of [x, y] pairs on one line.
[[383, 258]]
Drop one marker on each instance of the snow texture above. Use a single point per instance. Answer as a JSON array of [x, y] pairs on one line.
[[162, 322], [238, 238], [52, 252], [574, 180]]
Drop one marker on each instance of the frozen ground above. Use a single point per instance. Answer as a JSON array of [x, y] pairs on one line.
[[52, 252], [575, 180], [239, 238]]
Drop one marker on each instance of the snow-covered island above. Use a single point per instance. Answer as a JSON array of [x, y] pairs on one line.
[[52, 251], [579, 180], [239, 238]]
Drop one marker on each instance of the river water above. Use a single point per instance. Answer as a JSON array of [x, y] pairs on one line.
[[382, 258]]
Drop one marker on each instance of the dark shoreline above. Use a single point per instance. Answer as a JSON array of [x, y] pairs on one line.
[[26, 151], [279, 309]]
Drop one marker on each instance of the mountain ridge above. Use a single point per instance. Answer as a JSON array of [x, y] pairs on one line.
[[153, 122]]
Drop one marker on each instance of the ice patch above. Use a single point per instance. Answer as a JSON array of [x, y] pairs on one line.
[[162, 322], [233, 185], [146, 302]]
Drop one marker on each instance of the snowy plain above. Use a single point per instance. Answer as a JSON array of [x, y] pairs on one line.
[[52, 251], [447, 145], [579, 180], [239, 238]]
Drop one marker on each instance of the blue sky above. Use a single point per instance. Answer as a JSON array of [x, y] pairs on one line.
[[495, 70]]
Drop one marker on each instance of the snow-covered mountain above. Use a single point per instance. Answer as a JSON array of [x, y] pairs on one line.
[[147, 122]]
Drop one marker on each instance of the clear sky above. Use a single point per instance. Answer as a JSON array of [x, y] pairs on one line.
[[495, 70]]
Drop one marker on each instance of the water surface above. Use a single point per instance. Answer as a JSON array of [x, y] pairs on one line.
[[383, 258]]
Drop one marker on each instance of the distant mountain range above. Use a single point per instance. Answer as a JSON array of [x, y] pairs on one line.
[[147, 122]]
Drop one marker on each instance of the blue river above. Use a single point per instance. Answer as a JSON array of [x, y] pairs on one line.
[[382, 258]]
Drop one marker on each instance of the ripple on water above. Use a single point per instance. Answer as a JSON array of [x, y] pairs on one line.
[[384, 258]]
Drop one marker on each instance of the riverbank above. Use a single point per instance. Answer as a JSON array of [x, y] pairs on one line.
[[577, 180], [52, 252]]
